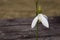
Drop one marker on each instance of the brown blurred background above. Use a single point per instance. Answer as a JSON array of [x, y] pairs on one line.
[[26, 8]]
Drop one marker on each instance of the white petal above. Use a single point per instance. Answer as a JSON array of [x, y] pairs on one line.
[[45, 16], [34, 22], [43, 20]]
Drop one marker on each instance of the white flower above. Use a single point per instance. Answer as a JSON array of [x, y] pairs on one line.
[[42, 18]]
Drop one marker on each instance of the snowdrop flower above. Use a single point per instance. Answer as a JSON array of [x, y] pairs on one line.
[[42, 18]]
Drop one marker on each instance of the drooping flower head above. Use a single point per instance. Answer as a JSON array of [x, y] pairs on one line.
[[41, 17]]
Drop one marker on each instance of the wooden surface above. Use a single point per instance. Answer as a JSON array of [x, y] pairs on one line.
[[20, 29]]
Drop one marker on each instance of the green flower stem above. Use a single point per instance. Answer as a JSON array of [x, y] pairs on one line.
[[37, 22], [38, 11], [36, 7], [37, 31]]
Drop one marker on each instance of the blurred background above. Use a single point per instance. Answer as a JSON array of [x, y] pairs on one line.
[[26, 8]]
